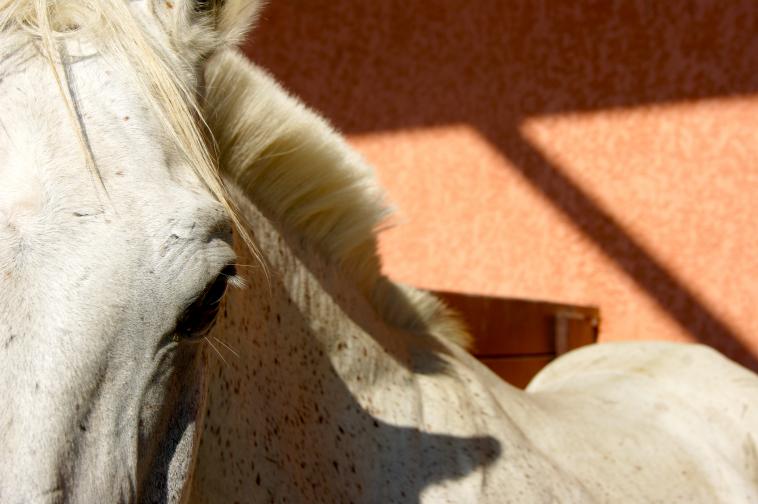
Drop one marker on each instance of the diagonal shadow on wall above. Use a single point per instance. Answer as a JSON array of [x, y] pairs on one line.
[[390, 65], [670, 293]]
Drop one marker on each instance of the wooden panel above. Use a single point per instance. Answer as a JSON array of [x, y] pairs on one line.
[[506, 327], [516, 337], [517, 371]]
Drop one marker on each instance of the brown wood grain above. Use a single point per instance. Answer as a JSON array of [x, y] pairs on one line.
[[507, 327], [516, 338]]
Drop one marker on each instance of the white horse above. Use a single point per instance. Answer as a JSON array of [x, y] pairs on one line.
[[328, 382]]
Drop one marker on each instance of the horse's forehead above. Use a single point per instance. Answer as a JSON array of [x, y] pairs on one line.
[[42, 156], [20, 194], [45, 183], [21, 187]]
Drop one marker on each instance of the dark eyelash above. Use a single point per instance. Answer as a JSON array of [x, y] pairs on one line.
[[200, 317]]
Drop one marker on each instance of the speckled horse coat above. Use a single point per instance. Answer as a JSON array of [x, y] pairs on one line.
[[329, 383], [329, 399]]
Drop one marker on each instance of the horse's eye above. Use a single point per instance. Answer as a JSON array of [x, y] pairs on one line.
[[199, 318]]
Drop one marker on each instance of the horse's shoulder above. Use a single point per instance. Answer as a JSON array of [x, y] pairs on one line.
[[687, 377], [697, 408], [657, 360]]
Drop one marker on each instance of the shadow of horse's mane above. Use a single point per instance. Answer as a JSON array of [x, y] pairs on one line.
[[290, 161]]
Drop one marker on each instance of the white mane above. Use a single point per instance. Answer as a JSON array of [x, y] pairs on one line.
[[290, 161]]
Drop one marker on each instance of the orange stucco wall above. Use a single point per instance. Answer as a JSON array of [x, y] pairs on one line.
[[590, 152]]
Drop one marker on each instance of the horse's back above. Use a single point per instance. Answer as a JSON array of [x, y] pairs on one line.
[[663, 420]]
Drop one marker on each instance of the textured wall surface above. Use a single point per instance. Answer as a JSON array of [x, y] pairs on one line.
[[591, 152]]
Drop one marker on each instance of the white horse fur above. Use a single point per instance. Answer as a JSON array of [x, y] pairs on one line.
[[321, 381]]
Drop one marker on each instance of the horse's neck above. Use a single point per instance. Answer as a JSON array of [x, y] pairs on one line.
[[320, 404]]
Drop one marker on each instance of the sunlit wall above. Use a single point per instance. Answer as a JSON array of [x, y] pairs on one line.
[[591, 152]]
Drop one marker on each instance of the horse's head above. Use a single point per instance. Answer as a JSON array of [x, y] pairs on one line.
[[114, 244]]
